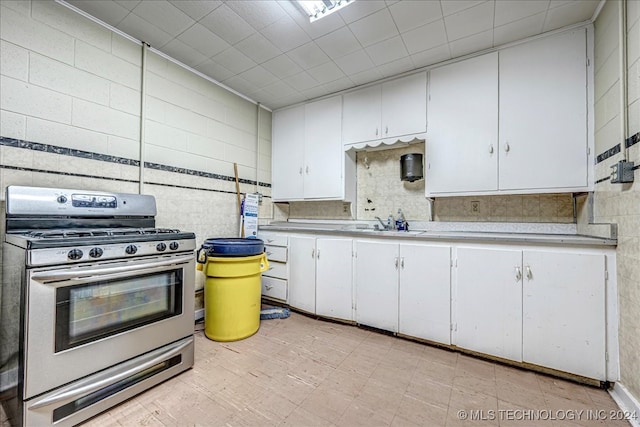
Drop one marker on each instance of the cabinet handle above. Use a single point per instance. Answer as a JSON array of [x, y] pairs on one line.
[[386, 130], [300, 171], [318, 254], [506, 147], [396, 262], [269, 253], [307, 170], [267, 287], [528, 272], [313, 253], [490, 148], [518, 274], [402, 262], [376, 131]]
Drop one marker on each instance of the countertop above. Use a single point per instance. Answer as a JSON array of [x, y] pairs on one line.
[[545, 233]]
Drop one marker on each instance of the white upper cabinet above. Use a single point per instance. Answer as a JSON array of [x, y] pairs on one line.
[[462, 144], [387, 111], [543, 113], [308, 160], [287, 154], [513, 121]]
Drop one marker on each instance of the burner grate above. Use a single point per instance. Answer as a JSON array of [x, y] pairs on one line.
[[75, 233]]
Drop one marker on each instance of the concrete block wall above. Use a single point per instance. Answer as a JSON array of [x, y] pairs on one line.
[[620, 203], [70, 117]]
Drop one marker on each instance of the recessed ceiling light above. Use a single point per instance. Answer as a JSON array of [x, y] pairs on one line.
[[317, 9]]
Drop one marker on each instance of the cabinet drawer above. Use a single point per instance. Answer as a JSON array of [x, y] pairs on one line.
[[277, 269], [276, 253], [274, 239], [274, 288]]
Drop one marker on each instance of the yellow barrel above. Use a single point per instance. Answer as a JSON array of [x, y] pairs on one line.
[[232, 296]]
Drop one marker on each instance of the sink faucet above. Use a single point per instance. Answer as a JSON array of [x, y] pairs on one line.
[[384, 226]]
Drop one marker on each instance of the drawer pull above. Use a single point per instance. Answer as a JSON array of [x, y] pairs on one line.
[[268, 287]]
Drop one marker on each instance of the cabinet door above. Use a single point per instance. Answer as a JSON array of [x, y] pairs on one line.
[[543, 113], [334, 290], [564, 312], [488, 301], [377, 266], [287, 156], [302, 273], [361, 115], [425, 292], [323, 176], [462, 150], [404, 106]]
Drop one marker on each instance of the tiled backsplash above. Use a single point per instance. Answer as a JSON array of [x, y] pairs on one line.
[[380, 192]]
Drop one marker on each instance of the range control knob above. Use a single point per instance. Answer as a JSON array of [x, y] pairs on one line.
[[62, 199], [95, 253], [173, 246], [131, 249], [161, 247], [74, 254]]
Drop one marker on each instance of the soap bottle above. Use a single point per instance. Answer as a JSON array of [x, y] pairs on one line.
[[390, 222], [401, 222]]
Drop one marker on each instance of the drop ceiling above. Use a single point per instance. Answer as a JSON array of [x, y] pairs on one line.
[[268, 50]]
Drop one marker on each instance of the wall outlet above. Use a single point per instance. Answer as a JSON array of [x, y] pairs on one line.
[[475, 207], [345, 208]]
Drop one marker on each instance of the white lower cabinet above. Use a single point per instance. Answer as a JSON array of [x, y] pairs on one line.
[[376, 266], [334, 272], [320, 276], [404, 288], [424, 307], [542, 307], [275, 279]]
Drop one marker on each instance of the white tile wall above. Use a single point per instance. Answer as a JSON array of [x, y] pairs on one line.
[[620, 203]]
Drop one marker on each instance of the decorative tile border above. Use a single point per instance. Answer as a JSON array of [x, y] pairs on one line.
[[609, 153], [631, 141], [28, 145]]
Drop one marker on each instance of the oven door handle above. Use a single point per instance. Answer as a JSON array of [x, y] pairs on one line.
[[107, 272], [97, 382]]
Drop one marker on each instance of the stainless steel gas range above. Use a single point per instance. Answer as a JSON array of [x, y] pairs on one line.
[[97, 304]]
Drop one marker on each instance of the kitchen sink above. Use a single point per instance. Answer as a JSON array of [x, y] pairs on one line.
[[369, 230]]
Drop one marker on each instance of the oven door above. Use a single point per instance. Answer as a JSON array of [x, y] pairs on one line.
[[83, 319]]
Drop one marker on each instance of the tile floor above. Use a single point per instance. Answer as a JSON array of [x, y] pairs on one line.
[[305, 372]]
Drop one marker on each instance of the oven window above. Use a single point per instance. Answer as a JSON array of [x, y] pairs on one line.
[[95, 310]]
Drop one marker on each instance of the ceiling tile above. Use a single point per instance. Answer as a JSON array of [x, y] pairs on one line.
[[144, 31], [241, 85], [302, 81], [411, 14], [452, 6], [285, 34], [227, 24], [258, 48], [128, 4], [258, 76], [374, 28], [425, 37], [518, 30], [387, 51], [514, 10], [108, 11], [183, 53], [326, 72], [282, 66], [214, 70], [234, 60], [469, 21], [280, 89], [314, 92], [474, 43], [569, 13], [399, 66], [203, 40], [360, 9], [364, 77], [164, 15], [308, 55], [431, 56], [197, 9], [355, 62], [259, 13], [338, 43], [286, 101], [338, 85]]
